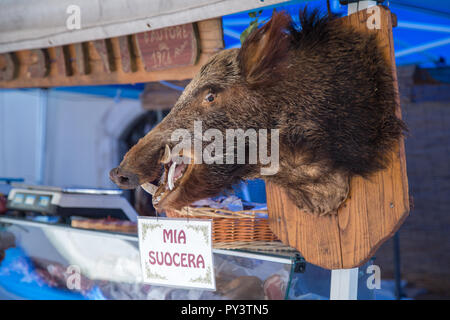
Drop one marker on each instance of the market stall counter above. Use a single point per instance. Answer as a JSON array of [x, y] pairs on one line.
[[41, 259]]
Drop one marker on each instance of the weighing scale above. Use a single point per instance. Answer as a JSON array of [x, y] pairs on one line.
[[69, 202]]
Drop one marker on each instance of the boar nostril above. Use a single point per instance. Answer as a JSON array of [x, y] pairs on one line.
[[123, 180]]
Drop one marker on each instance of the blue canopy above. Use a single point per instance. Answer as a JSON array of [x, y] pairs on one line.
[[422, 36]]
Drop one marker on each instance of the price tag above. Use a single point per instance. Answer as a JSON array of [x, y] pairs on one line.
[[176, 252]]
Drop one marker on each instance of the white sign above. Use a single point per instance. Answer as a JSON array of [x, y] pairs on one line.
[[176, 252]]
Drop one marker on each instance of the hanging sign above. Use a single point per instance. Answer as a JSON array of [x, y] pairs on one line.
[[168, 47], [176, 252]]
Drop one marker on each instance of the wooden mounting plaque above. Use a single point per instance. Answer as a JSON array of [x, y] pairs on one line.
[[172, 53], [375, 208]]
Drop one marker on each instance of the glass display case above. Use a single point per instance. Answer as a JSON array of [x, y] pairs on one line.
[[46, 260]]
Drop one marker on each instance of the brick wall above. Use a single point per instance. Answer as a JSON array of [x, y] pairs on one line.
[[425, 235]]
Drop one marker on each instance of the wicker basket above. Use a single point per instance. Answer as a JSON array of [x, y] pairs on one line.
[[246, 229]]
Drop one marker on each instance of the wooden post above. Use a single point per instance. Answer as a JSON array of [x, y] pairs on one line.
[[375, 208]]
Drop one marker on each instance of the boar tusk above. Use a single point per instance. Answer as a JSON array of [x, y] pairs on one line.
[[170, 175], [167, 155], [150, 188]]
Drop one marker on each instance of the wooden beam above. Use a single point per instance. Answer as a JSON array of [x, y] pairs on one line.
[[174, 53]]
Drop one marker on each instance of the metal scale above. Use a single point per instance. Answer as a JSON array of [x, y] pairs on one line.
[[68, 202]]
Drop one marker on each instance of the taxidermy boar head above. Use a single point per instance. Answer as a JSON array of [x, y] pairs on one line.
[[321, 93]]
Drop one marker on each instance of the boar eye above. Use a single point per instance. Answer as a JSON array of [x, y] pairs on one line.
[[209, 97]]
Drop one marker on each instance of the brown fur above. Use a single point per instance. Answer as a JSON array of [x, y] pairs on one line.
[[328, 91]]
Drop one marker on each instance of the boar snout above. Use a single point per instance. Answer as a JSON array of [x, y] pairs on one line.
[[125, 180]]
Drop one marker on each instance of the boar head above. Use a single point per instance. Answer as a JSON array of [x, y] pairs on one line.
[[326, 90]]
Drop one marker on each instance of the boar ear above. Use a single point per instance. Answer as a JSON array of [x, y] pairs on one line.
[[264, 48]]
